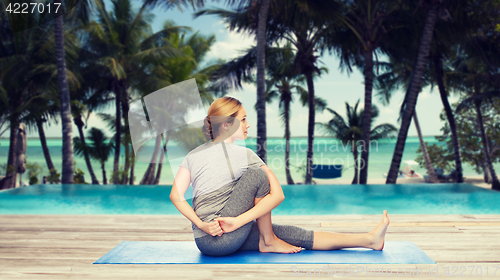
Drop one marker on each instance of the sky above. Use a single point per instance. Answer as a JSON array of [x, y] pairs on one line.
[[335, 87]]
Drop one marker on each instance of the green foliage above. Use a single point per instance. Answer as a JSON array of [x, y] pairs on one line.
[[78, 177], [97, 146], [439, 156], [120, 174], [469, 138], [53, 177], [300, 168], [351, 128], [34, 169]]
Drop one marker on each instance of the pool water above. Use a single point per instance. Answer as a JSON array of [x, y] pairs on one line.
[[300, 199]]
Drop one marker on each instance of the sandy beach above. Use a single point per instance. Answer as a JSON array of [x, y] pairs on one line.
[[473, 180]]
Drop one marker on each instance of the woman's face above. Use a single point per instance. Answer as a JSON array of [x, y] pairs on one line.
[[242, 132]]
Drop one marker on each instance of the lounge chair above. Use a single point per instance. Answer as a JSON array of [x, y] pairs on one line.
[[439, 174], [327, 171], [450, 177], [443, 178]]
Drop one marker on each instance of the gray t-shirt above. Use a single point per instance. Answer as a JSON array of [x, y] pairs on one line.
[[215, 169]]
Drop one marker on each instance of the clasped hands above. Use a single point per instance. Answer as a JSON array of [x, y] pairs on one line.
[[221, 225]]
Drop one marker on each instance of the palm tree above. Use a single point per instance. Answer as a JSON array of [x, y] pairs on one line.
[[350, 130], [78, 110], [263, 11], [42, 112], [110, 121], [449, 37], [284, 83], [439, 78], [290, 22], [476, 101], [67, 128], [172, 70], [471, 75], [97, 149], [434, 8], [397, 75], [122, 39], [470, 33], [428, 165], [77, 11], [261, 80], [282, 88], [92, 93], [369, 23], [25, 60], [3, 110]]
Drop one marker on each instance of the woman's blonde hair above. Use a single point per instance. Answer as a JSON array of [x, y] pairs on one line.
[[222, 110]]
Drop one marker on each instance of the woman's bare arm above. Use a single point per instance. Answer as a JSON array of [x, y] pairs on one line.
[[268, 203], [179, 188]]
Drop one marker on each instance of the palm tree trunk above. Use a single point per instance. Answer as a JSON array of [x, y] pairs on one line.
[[487, 175], [104, 179], [146, 179], [67, 129], [438, 70], [160, 163], [261, 82], [45, 148], [151, 177], [289, 179], [127, 164], [132, 167], [428, 165], [355, 180], [495, 183], [118, 122], [125, 109], [79, 123], [310, 127], [11, 173], [412, 93], [367, 116]]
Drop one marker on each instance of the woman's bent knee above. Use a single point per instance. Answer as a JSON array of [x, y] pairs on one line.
[[259, 178], [256, 172]]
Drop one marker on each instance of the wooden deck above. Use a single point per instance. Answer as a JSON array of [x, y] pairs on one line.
[[65, 246]]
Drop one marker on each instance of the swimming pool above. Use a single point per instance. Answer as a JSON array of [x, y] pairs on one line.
[[300, 199]]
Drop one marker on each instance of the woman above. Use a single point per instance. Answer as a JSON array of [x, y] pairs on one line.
[[232, 187]]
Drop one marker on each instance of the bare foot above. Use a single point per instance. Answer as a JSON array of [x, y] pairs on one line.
[[378, 234], [277, 245]]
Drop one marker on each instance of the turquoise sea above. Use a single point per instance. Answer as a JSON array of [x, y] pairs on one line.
[[445, 199], [326, 151]]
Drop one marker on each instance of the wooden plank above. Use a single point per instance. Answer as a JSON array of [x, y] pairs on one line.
[[65, 246], [417, 224]]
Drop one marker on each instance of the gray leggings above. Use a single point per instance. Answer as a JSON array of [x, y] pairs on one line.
[[246, 238]]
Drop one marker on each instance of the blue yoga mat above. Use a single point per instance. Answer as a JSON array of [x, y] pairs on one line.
[[186, 252]]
